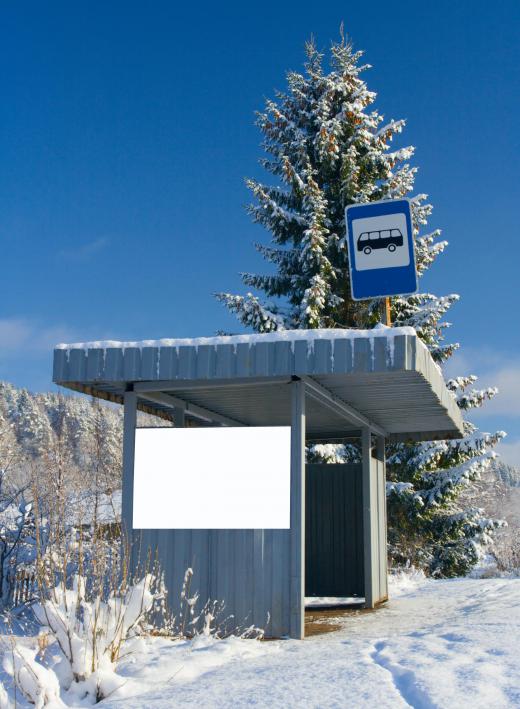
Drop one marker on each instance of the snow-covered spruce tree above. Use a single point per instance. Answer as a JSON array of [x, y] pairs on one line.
[[327, 147]]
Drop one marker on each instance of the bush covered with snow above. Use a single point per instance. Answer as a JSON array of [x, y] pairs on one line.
[[88, 628], [90, 632], [38, 684]]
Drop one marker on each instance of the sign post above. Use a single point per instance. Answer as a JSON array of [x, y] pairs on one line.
[[381, 249]]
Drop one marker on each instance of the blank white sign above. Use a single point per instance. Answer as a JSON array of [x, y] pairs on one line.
[[212, 478]]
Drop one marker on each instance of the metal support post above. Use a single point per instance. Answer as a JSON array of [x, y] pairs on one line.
[[129, 424], [369, 516], [297, 585]]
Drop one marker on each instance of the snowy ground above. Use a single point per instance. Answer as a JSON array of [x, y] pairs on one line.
[[449, 643]]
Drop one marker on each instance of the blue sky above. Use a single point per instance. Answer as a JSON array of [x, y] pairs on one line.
[[127, 128]]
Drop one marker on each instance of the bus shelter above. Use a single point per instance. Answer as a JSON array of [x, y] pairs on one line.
[[369, 386]]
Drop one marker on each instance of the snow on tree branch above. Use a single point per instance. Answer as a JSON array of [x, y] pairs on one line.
[[252, 313]]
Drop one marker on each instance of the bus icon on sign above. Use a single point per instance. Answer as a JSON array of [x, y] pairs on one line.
[[383, 239]]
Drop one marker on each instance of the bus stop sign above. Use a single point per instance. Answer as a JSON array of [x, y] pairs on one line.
[[381, 249]]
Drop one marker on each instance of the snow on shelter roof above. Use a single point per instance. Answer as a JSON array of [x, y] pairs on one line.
[[386, 375], [279, 336]]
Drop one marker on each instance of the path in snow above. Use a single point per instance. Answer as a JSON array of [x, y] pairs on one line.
[[451, 643]]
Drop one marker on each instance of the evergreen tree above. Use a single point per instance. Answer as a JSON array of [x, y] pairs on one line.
[[508, 474], [101, 443], [328, 147], [9, 450], [32, 425]]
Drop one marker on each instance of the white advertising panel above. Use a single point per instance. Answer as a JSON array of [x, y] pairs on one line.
[[212, 478]]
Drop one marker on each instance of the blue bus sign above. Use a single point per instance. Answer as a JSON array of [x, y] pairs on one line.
[[381, 249]]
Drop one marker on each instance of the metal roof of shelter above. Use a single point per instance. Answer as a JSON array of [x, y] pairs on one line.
[[384, 378]]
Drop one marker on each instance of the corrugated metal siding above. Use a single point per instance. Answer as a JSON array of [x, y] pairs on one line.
[[247, 569]]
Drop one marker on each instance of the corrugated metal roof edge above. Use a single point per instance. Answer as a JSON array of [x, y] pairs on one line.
[[432, 373], [257, 359]]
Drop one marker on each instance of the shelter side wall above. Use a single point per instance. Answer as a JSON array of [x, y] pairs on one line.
[[256, 574], [247, 570]]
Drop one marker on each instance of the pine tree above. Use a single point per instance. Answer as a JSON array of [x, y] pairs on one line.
[[32, 425], [9, 450], [508, 474], [328, 147], [101, 443]]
